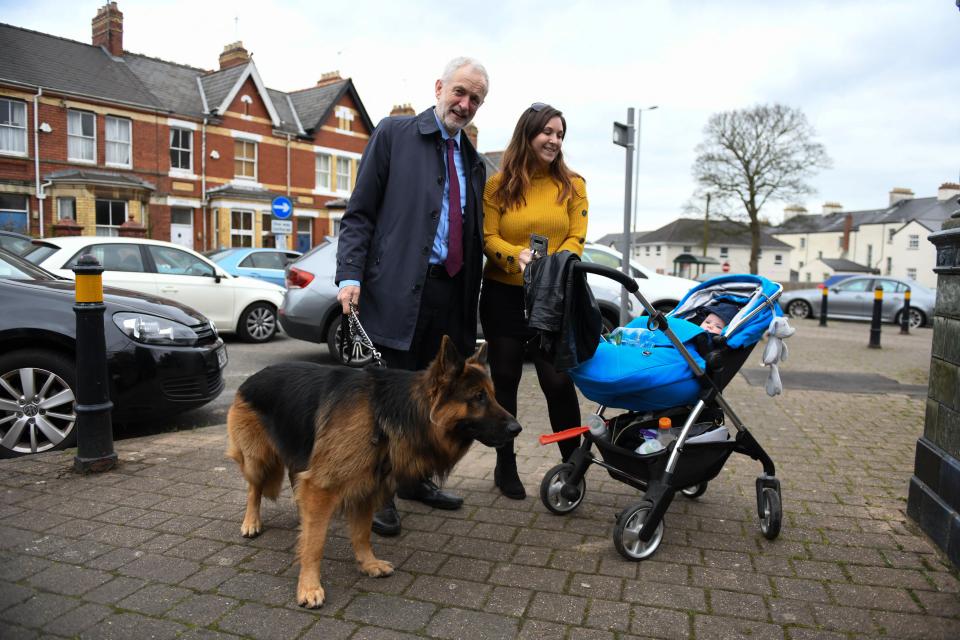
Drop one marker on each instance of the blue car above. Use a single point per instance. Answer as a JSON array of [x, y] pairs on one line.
[[261, 263]]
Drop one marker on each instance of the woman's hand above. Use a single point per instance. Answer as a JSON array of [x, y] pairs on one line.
[[525, 258]]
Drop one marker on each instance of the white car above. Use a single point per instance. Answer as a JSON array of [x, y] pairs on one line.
[[662, 292], [244, 306]]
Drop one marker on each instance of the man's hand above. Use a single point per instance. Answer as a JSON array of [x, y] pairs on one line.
[[525, 258], [349, 295]]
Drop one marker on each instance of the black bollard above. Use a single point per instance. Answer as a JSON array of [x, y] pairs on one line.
[[905, 314], [875, 321], [823, 307], [94, 427]]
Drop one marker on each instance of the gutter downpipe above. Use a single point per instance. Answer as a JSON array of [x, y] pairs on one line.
[[203, 179], [36, 157]]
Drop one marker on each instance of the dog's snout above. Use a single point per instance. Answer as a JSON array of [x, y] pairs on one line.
[[514, 429]]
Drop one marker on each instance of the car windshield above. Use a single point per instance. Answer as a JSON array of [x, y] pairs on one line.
[[14, 267]]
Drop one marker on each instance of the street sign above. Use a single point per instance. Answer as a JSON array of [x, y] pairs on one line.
[[281, 207], [281, 227], [726, 267]]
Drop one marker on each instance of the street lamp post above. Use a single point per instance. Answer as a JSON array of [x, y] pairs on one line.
[[623, 136], [636, 166]]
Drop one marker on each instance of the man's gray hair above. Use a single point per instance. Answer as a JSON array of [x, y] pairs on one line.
[[457, 63]]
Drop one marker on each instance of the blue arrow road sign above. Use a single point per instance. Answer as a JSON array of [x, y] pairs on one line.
[[281, 207]]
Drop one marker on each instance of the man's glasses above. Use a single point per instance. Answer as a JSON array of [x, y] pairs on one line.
[[539, 106]]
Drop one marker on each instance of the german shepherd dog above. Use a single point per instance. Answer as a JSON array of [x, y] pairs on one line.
[[347, 437]]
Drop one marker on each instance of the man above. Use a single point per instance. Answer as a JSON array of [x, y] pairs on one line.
[[411, 241]]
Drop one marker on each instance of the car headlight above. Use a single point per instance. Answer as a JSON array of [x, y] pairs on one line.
[[154, 330]]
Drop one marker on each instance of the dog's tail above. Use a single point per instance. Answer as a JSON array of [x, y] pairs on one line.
[[248, 443]]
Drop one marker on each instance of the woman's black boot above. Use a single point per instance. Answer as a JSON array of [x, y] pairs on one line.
[[505, 474]]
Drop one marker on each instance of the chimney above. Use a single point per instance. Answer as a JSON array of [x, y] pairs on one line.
[[832, 207], [899, 193], [948, 190], [847, 228], [329, 78], [402, 110], [793, 211], [108, 29], [233, 55], [471, 131]]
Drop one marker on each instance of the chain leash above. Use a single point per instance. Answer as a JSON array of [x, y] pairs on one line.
[[353, 340]]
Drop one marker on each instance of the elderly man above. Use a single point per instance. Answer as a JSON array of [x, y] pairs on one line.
[[410, 252]]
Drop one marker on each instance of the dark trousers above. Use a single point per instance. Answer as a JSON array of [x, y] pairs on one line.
[[441, 313]]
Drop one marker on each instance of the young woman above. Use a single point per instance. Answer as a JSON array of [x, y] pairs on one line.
[[534, 192]]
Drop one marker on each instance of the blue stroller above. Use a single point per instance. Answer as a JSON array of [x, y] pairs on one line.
[[673, 371]]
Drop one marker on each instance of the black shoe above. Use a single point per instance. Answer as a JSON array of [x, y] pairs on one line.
[[430, 494], [505, 475], [386, 522]]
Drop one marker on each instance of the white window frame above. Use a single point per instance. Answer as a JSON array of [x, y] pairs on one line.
[[724, 252], [246, 159], [890, 234], [344, 118], [241, 232], [912, 273], [658, 249], [778, 259], [688, 249], [73, 207], [913, 242], [341, 161], [803, 243], [110, 230], [117, 143], [180, 150], [319, 173], [10, 127], [80, 137]]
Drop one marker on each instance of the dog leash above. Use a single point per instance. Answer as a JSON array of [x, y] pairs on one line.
[[353, 339]]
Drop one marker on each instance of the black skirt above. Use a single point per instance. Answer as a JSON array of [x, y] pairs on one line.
[[501, 311]]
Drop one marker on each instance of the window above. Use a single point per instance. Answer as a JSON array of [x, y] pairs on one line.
[[245, 160], [119, 257], [777, 259], [724, 252], [241, 228], [323, 171], [267, 239], [344, 118], [803, 243], [175, 262], [819, 255], [890, 286], [800, 266], [889, 269], [110, 215], [304, 234], [343, 174], [913, 242], [647, 250], [13, 126], [658, 249], [809, 276], [840, 242], [118, 141], [688, 249], [66, 209], [13, 212], [911, 273], [870, 255], [81, 136], [890, 234], [855, 284], [267, 260], [181, 149]]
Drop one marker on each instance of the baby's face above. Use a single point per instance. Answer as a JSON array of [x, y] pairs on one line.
[[713, 323]]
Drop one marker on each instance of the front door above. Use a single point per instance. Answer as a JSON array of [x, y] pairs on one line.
[[181, 227]]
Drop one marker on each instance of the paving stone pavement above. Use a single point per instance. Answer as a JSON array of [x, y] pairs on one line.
[[152, 549]]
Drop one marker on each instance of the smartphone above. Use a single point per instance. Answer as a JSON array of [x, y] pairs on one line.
[[538, 244]]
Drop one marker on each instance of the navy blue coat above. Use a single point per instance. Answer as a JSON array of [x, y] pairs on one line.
[[387, 231]]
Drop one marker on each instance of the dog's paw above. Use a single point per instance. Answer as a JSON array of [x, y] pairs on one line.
[[377, 568], [251, 529], [310, 597]]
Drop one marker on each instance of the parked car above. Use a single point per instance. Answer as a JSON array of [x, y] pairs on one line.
[[310, 310], [162, 358], [852, 299], [15, 242], [244, 306], [261, 263], [661, 291]]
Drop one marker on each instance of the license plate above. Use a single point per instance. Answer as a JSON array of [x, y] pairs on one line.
[[222, 357]]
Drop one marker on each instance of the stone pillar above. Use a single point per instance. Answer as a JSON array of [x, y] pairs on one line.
[[934, 494], [67, 227], [132, 229]]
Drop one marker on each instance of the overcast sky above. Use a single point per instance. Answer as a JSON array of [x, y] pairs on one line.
[[879, 80]]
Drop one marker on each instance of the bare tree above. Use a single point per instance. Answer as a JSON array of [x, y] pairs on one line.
[[753, 155]]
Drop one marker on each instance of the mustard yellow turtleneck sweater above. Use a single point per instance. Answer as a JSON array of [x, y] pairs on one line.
[[506, 233]]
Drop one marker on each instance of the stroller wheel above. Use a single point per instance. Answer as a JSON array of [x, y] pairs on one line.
[[771, 516], [558, 495], [626, 533], [695, 490]]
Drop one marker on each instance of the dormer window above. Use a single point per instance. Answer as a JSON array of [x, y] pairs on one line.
[[344, 118], [247, 101]]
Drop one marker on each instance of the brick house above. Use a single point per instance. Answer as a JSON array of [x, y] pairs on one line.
[[98, 135]]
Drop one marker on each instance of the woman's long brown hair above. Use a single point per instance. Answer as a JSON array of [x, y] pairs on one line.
[[519, 161]]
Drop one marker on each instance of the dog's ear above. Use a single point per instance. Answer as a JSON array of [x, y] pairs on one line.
[[479, 356], [449, 361]]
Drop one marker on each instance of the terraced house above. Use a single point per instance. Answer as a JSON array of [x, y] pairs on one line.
[[93, 137]]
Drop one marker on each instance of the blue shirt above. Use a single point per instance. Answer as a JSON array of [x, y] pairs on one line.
[[438, 253]]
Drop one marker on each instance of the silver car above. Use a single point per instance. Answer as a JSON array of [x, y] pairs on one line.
[[311, 312], [852, 299]]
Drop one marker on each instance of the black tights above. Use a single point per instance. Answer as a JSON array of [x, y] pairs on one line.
[[505, 356]]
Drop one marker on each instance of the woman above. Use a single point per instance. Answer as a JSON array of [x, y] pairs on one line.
[[535, 193]]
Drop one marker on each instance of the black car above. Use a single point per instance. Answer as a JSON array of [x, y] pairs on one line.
[[162, 358]]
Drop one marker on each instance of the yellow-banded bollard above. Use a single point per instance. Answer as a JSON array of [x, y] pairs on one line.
[[93, 407], [905, 313], [823, 306], [875, 321]]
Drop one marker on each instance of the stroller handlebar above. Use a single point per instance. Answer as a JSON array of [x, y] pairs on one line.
[[608, 272]]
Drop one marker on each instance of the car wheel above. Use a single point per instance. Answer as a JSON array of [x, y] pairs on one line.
[[799, 309], [258, 323], [917, 318], [361, 354], [37, 410]]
